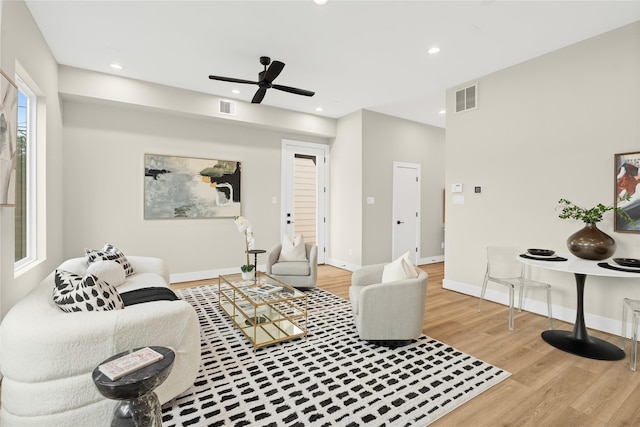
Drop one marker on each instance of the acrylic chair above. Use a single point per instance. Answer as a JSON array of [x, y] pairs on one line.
[[504, 268], [632, 305]]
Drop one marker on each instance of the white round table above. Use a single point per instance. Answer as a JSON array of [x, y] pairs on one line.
[[578, 341]]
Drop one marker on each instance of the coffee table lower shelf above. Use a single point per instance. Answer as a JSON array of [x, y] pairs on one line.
[[266, 330]]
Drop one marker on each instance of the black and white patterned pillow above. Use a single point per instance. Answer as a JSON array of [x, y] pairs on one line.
[[109, 253], [76, 293]]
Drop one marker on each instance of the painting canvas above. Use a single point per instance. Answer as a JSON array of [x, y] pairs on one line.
[[627, 183], [184, 187], [8, 140]]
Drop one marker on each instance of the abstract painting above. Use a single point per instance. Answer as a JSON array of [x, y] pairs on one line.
[[8, 140], [627, 185], [185, 187]]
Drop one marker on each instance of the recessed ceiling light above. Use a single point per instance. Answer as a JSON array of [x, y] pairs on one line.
[[236, 91], [320, 2], [442, 112], [318, 109], [433, 50], [115, 66]]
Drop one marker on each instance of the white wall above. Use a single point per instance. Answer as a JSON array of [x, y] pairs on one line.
[[362, 156], [386, 139], [104, 150], [545, 129], [345, 206], [22, 45]]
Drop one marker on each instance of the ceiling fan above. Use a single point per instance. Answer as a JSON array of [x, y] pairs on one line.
[[265, 80]]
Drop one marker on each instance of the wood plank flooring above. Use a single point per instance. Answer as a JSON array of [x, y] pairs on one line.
[[548, 387]]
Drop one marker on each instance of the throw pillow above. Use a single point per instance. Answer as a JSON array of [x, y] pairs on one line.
[[293, 250], [400, 269], [76, 293], [109, 253], [109, 271]]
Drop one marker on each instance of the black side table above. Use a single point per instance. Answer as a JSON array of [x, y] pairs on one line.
[[255, 253], [139, 405]]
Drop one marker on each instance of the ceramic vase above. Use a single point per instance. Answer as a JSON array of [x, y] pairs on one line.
[[591, 243]]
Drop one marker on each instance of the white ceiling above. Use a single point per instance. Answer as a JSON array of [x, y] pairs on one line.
[[353, 54]]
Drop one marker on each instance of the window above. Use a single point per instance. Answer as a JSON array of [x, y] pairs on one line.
[[25, 211]]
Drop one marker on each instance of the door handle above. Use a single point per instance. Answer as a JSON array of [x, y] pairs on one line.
[[290, 222], [400, 222]]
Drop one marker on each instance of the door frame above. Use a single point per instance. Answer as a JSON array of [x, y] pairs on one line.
[[417, 167], [322, 208]]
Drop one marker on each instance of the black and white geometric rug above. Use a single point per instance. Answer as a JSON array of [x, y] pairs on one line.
[[331, 378]]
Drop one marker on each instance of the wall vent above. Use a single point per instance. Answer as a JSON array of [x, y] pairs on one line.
[[227, 107], [467, 98]]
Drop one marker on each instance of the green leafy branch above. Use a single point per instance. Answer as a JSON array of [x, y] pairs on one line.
[[592, 215]]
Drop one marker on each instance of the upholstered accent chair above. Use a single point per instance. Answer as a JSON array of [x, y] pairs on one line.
[[299, 274], [391, 313]]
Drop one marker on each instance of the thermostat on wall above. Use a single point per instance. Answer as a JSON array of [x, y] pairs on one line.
[[456, 188]]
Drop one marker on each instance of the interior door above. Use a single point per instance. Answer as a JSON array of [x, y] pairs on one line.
[[304, 192], [406, 210]]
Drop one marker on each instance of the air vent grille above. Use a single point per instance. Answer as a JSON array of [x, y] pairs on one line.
[[227, 107], [467, 98]]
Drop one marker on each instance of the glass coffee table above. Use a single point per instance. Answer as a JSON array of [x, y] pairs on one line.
[[266, 310]]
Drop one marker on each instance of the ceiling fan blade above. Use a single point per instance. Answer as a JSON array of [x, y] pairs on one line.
[[273, 71], [233, 80], [294, 90], [257, 98]]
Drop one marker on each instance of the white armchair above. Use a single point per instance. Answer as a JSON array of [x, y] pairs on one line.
[[299, 274], [392, 313]]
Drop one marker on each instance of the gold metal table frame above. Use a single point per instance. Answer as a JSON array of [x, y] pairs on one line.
[[264, 319]]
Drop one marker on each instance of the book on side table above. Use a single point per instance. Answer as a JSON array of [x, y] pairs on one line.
[[131, 362]]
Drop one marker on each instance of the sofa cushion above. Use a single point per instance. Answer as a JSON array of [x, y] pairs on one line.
[[109, 253], [293, 250], [143, 280], [89, 293], [293, 268], [109, 271], [400, 269]]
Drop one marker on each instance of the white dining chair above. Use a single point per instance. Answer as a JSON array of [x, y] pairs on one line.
[[503, 268], [632, 305]]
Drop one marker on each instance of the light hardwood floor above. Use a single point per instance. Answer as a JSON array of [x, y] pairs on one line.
[[548, 387]]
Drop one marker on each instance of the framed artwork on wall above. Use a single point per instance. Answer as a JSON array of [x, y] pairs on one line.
[[186, 187], [627, 183], [8, 139]]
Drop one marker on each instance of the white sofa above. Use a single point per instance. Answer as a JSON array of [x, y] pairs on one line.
[[47, 355]]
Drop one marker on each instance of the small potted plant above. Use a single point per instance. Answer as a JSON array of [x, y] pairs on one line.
[[590, 242], [244, 226]]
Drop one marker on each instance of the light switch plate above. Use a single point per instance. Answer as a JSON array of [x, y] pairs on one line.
[[456, 188]]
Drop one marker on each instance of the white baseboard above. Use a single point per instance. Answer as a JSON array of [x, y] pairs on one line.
[[604, 324], [431, 259], [353, 267], [342, 264], [207, 274]]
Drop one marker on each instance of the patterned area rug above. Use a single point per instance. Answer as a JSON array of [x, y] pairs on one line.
[[331, 378]]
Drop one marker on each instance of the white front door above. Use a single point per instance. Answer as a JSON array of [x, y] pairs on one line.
[[304, 192], [406, 210]]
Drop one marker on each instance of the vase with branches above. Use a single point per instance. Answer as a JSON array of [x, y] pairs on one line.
[[590, 242], [244, 226]]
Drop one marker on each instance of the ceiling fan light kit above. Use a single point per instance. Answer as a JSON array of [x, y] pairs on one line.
[[265, 80]]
